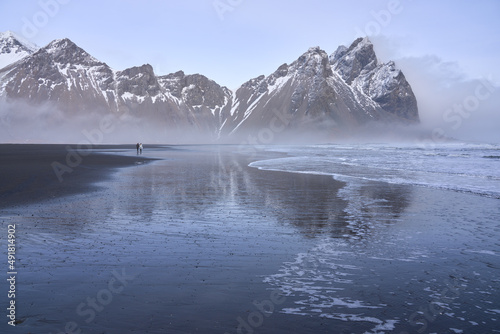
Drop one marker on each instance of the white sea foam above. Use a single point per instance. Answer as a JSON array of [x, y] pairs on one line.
[[347, 279], [482, 251], [458, 167], [316, 279]]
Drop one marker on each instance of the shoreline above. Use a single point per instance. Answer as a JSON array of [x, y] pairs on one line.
[[30, 171], [204, 243]]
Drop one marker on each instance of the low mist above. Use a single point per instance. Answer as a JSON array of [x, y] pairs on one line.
[[451, 103], [24, 123], [450, 107]]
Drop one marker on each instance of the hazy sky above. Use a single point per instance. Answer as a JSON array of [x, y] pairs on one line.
[[232, 41]]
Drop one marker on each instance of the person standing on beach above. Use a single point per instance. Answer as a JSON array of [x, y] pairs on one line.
[[137, 147], [140, 148]]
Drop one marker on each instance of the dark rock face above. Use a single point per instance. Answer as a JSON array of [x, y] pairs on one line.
[[198, 97], [173, 83], [388, 87], [140, 81], [194, 90], [199, 90], [64, 75], [383, 83], [315, 92], [357, 59], [65, 52]]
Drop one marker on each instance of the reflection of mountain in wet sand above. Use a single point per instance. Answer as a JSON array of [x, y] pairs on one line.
[[309, 202], [205, 236]]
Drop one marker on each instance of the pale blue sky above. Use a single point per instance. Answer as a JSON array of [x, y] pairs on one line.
[[232, 41], [441, 45]]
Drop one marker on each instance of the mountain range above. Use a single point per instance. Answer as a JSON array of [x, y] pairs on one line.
[[61, 86]]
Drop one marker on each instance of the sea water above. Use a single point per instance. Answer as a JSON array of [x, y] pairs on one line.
[[420, 252], [473, 168]]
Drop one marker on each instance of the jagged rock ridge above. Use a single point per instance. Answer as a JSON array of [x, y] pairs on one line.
[[13, 48], [315, 92], [383, 83]]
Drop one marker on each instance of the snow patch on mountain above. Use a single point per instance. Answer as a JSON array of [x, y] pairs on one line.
[[315, 92], [14, 48]]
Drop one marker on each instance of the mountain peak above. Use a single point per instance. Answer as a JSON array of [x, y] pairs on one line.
[[14, 48], [350, 62], [361, 41], [363, 48], [65, 51], [61, 42], [314, 49], [313, 62], [58, 45], [15, 38], [145, 69], [7, 34], [314, 93], [383, 83]]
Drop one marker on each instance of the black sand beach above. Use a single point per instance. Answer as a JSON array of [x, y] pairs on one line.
[[29, 172], [198, 242]]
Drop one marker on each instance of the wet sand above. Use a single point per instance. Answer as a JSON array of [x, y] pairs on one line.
[[198, 242], [28, 172]]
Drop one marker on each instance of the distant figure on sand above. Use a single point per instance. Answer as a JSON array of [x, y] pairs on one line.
[[137, 147], [140, 148]]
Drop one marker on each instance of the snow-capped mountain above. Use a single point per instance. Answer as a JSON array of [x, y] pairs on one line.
[[382, 83], [323, 92], [199, 97], [14, 48], [316, 92], [66, 77]]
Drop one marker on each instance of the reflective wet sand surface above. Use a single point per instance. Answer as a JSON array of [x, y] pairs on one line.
[[198, 242]]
